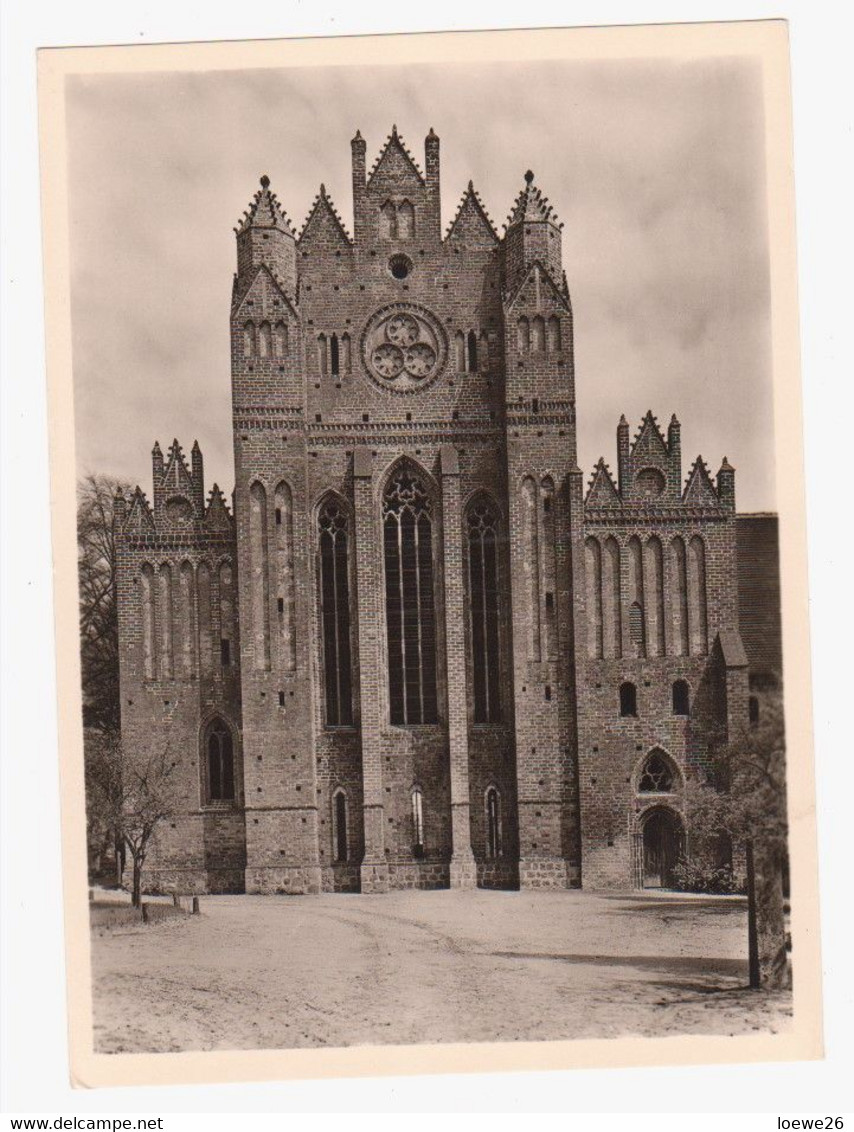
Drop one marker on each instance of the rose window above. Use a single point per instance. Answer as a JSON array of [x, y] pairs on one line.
[[403, 347]]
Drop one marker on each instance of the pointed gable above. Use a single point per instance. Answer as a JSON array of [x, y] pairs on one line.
[[259, 287], [217, 514], [472, 225], [649, 443], [602, 491], [265, 211], [176, 477], [531, 206], [699, 490], [395, 166], [537, 281], [140, 519], [324, 227]]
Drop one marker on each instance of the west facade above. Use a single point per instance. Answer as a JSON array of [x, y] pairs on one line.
[[417, 650]]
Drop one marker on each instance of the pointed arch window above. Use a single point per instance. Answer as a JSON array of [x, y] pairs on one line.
[[460, 351], [346, 362], [248, 339], [410, 603], [524, 335], [388, 221], [538, 333], [417, 822], [334, 358], [335, 613], [681, 698], [471, 343], [493, 823], [219, 756], [339, 821], [657, 775], [148, 621], [628, 699], [554, 334], [281, 339], [322, 358], [405, 220], [483, 542], [265, 340], [483, 352]]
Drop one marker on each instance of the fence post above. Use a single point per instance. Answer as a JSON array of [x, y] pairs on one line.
[[145, 913], [195, 905], [752, 936], [176, 900]]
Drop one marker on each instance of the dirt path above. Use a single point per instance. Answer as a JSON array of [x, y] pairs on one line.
[[284, 972]]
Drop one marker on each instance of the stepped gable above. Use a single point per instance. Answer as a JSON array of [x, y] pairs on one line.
[[324, 225], [602, 491], [472, 223]]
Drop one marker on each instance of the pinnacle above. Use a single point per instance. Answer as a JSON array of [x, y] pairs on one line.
[[623, 422], [264, 210], [531, 205]]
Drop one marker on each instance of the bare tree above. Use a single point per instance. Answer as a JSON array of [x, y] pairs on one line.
[[747, 802], [99, 661], [147, 800], [99, 626], [131, 796]]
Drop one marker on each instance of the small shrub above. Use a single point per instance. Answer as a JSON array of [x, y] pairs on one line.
[[691, 875]]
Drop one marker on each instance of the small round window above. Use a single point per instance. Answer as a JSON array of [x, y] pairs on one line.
[[650, 482], [400, 266]]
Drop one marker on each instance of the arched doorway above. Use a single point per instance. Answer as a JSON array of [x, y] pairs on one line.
[[663, 838]]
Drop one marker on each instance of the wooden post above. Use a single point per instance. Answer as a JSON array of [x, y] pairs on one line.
[[195, 906], [176, 900], [752, 934], [145, 913]]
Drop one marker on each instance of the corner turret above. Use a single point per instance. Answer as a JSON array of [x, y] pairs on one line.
[[265, 236], [533, 233]]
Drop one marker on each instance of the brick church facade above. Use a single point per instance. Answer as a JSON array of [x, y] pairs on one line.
[[416, 649]]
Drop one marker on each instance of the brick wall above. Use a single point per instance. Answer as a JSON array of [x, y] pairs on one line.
[[313, 417]]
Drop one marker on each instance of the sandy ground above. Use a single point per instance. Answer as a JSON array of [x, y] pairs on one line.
[[280, 972]]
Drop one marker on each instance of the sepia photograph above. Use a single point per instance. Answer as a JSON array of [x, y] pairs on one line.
[[422, 406]]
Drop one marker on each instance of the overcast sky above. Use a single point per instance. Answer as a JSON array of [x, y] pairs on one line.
[[657, 170]]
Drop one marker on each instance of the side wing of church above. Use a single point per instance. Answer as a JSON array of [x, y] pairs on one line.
[[415, 650]]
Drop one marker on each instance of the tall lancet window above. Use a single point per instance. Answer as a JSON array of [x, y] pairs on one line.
[[335, 613], [410, 606], [483, 594], [220, 763]]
